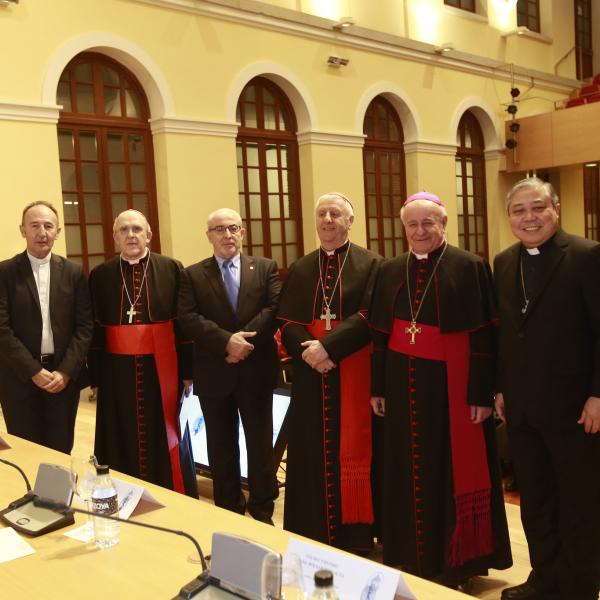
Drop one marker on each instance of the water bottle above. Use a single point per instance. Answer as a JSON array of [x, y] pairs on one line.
[[105, 502], [324, 589]]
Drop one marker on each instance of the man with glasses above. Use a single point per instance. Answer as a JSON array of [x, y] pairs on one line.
[[227, 307], [549, 378]]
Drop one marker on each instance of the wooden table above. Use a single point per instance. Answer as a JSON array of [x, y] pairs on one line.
[[145, 563]]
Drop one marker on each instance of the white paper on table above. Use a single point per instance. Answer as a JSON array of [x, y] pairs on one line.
[[354, 578], [12, 545], [4, 445], [83, 533]]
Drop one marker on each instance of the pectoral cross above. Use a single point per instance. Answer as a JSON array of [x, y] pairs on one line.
[[412, 331], [327, 316], [131, 313]]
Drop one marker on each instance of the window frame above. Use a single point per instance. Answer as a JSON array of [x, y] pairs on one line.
[[379, 145], [526, 16]]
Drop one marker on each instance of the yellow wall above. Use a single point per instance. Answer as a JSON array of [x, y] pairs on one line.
[[194, 64]]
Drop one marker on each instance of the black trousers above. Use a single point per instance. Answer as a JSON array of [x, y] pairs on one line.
[[38, 416], [222, 428], [559, 480]]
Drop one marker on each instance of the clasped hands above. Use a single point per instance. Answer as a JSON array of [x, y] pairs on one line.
[[316, 357], [53, 382], [238, 347]]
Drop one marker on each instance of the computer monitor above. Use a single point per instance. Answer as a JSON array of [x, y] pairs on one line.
[[191, 414]]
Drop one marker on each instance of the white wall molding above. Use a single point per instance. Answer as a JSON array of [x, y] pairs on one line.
[[193, 127], [430, 148], [331, 138], [283, 20], [31, 113]]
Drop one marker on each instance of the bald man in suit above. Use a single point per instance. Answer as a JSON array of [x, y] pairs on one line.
[[227, 306], [45, 332]]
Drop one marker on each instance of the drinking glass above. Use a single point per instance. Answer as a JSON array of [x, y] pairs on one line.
[[281, 578], [83, 475]]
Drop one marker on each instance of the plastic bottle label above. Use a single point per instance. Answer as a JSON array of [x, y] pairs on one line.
[[106, 506]]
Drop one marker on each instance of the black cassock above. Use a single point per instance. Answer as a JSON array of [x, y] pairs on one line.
[[418, 492], [313, 504], [131, 427]]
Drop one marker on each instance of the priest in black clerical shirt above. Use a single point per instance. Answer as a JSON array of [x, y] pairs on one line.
[[549, 392]]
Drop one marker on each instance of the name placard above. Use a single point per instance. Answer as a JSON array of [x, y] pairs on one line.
[[354, 578]]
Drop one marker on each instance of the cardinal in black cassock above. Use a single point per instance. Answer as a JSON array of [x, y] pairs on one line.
[[323, 310], [433, 381], [137, 362]]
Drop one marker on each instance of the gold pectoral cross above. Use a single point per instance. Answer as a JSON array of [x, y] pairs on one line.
[[131, 313], [412, 331], [327, 316]]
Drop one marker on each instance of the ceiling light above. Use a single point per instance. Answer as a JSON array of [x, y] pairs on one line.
[[337, 61], [444, 48], [344, 23]]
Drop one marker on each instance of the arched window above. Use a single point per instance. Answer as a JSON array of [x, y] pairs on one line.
[[470, 186], [106, 155], [268, 173], [385, 178]]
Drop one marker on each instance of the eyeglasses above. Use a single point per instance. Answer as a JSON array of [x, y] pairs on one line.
[[221, 229]]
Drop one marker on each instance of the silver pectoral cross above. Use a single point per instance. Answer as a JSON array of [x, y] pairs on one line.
[[327, 316], [412, 331], [131, 313]]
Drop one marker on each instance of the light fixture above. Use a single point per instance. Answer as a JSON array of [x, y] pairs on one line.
[[512, 109], [444, 48], [514, 126], [508, 4], [344, 23], [337, 61], [511, 144], [7, 2], [591, 165]]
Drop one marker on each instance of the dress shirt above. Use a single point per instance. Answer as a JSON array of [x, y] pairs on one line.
[[41, 274]]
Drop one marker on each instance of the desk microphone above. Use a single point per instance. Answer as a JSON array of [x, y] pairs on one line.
[[7, 462], [188, 591]]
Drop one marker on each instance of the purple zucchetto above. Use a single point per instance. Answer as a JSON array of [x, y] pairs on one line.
[[424, 196]]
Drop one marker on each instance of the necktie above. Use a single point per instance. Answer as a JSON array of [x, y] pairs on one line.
[[231, 285]]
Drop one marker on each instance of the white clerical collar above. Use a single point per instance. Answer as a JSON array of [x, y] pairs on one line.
[[134, 261], [34, 260], [533, 251], [332, 252], [420, 256]]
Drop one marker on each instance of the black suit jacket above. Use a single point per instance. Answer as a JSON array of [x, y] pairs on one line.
[[549, 357], [206, 316], [21, 320]]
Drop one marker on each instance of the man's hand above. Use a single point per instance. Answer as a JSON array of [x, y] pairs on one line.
[[237, 346], [378, 405], [59, 382], [590, 415], [42, 378], [499, 406], [93, 393], [187, 386], [325, 366], [314, 353], [479, 414]]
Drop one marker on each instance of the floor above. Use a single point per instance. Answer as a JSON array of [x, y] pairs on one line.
[[487, 588]]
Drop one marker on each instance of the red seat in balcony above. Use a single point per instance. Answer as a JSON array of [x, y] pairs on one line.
[[574, 102], [588, 90], [593, 98], [597, 79]]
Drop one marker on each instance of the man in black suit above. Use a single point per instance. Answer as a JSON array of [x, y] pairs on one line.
[[227, 306], [549, 379], [45, 332]]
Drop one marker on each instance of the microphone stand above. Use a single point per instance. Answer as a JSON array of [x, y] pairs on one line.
[[187, 591]]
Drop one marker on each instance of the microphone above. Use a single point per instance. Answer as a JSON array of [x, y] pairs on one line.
[[188, 591], [7, 462]]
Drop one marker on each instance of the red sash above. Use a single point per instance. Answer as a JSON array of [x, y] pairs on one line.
[[472, 536], [157, 339], [355, 431]]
